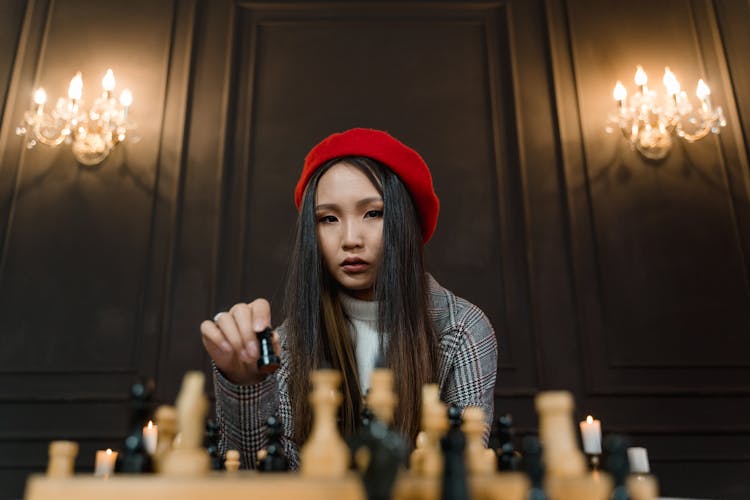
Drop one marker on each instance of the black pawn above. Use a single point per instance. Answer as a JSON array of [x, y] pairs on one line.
[[134, 457], [268, 362], [453, 444], [275, 459], [508, 459], [386, 454], [532, 465], [211, 443], [616, 463]]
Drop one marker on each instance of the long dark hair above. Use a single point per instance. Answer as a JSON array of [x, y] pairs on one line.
[[317, 333]]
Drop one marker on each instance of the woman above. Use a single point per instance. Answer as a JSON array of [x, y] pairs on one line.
[[356, 289]]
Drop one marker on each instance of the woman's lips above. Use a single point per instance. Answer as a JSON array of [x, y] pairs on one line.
[[354, 265]]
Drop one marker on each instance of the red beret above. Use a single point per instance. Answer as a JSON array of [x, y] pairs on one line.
[[380, 146]]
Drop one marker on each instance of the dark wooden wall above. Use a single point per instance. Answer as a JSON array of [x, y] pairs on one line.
[[621, 280]]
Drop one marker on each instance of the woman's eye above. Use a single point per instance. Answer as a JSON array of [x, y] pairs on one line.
[[374, 213], [327, 219]]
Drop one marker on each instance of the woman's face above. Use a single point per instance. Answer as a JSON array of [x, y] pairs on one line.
[[349, 213]]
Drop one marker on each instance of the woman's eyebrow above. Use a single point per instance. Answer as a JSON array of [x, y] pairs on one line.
[[360, 203]]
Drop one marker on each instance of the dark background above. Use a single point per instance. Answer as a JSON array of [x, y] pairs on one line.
[[621, 280]]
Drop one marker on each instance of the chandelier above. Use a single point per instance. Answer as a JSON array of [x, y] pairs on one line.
[[649, 121], [92, 133]]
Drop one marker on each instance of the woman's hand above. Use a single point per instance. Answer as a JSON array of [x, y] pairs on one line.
[[231, 340]]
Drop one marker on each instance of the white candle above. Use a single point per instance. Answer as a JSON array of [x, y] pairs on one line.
[[150, 433], [591, 432], [105, 462], [638, 460]]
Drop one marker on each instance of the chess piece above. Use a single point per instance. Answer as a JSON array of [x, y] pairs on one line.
[[268, 362], [232, 462], [640, 483], [274, 459], [454, 484], [434, 425], [562, 458], [508, 458], [533, 466], [616, 463], [381, 451], [134, 457], [324, 454], [166, 421], [479, 460], [189, 458], [567, 477], [62, 457], [211, 443]]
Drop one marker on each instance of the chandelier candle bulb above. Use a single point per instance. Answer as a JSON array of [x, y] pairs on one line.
[[75, 90], [108, 83], [703, 92], [105, 462], [641, 79], [591, 434], [40, 97], [620, 94], [150, 437]]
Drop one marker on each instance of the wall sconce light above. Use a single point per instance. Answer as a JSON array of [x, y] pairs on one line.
[[92, 133], [649, 122]]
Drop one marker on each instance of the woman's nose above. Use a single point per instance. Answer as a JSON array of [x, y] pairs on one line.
[[352, 236]]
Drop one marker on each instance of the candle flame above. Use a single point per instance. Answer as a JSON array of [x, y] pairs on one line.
[[108, 82], [640, 76], [670, 81], [40, 96], [702, 91], [75, 90], [109, 451], [620, 93], [126, 98], [150, 424], [589, 419]]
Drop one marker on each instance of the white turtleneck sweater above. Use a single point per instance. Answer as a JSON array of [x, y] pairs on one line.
[[363, 324]]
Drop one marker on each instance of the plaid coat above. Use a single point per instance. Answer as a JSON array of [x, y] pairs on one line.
[[467, 370]]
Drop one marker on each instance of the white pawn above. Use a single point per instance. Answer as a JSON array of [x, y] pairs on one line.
[[479, 460], [325, 454], [62, 457]]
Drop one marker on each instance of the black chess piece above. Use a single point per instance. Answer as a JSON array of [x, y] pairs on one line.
[[134, 457], [275, 459], [268, 362], [616, 463], [533, 466], [455, 485], [211, 443], [508, 459], [385, 453]]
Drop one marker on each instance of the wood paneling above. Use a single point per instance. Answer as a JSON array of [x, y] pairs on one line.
[[621, 280]]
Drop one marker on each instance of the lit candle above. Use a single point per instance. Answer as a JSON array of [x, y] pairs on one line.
[[108, 82], [75, 90], [671, 83], [105, 462], [591, 432], [620, 94], [703, 91], [150, 433], [126, 99], [40, 97], [641, 79]]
